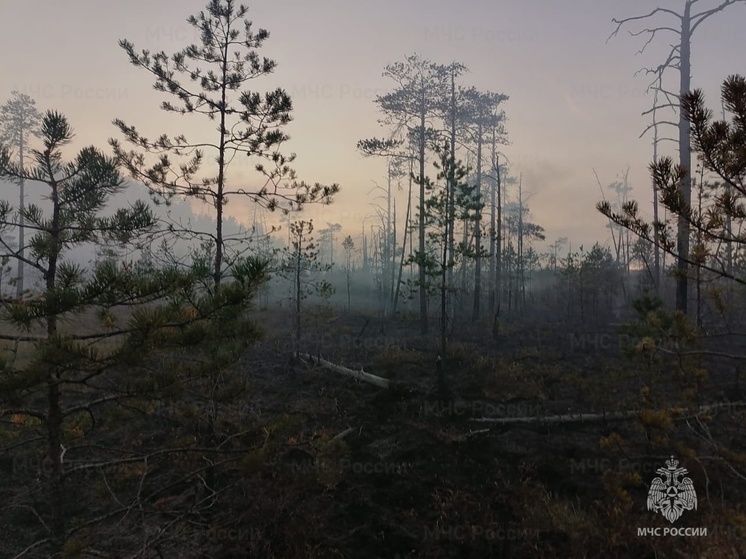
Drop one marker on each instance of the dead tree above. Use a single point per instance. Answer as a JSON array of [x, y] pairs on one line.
[[398, 158], [418, 98], [657, 88], [452, 116], [679, 59], [19, 122], [481, 117]]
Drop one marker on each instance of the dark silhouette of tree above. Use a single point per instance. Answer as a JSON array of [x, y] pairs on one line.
[[722, 146], [249, 124], [450, 183], [482, 118], [418, 99], [77, 191], [301, 265], [679, 58], [453, 115], [88, 326]]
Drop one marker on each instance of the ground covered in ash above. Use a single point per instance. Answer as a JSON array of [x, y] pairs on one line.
[[411, 474], [327, 465]]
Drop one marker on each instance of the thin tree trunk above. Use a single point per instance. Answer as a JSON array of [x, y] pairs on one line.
[[21, 206], [478, 228], [656, 248], [404, 242], [331, 246], [728, 229], [349, 299], [451, 214], [682, 244], [625, 197], [493, 240], [499, 243], [54, 410], [297, 289], [443, 284], [699, 241], [365, 249], [522, 285], [391, 263], [219, 198], [422, 276], [463, 260]]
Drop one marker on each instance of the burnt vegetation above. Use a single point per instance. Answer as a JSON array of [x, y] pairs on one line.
[[445, 379]]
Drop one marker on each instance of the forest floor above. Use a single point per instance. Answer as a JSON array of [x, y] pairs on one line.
[[343, 468], [417, 477]]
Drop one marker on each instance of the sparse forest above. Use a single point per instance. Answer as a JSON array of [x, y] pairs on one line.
[[200, 359]]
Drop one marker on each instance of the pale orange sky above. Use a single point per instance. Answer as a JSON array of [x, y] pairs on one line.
[[574, 102]]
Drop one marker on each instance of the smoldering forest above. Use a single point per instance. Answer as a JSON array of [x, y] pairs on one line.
[[293, 292]]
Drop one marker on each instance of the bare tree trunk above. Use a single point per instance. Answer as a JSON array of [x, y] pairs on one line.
[[297, 292], [444, 287], [680, 59], [493, 240], [365, 249], [451, 214], [656, 248], [463, 260], [387, 252], [392, 259], [685, 160], [54, 410], [522, 281], [21, 206], [219, 198], [349, 297], [499, 240], [331, 246], [404, 242], [510, 267], [422, 276], [699, 241], [627, 246], [478, 228]]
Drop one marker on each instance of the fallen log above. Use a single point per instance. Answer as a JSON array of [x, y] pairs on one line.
[[343, 434], [359, 375], [554, 419], [613, 416]]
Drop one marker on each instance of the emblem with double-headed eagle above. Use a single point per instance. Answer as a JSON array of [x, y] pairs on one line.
[[672, 496]]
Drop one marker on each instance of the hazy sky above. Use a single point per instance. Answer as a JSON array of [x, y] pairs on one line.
[[574, 102]]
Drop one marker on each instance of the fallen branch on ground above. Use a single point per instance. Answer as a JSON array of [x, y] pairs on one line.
[[360, 375], [344, 433], [613, 416], [677, 413]]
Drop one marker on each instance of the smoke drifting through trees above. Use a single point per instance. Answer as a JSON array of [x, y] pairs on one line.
[[202, 371]]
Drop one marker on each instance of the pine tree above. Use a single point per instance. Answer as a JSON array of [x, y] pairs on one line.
[[448, 192], [99, 342], [77, 191], [301, 265], [249, 124], [722, 147], [422, 86], [481, 115], [683, 24]]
